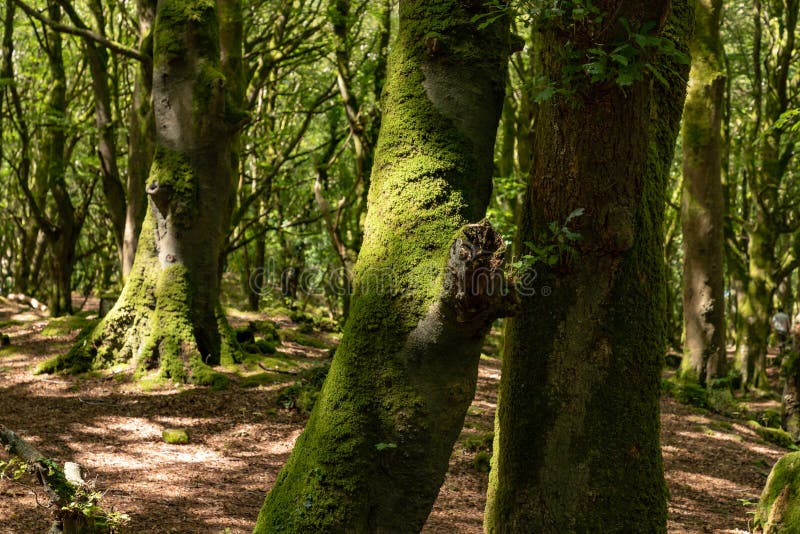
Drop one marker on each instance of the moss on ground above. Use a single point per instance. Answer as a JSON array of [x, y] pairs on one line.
[[776, 436], [175, 436], [67, 324], [302, 339]]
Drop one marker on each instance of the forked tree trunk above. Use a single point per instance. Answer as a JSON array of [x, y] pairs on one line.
[[376, 447], [168, 316], [702, 206], [577, 433]]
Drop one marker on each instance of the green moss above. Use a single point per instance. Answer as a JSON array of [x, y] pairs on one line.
[[776, 436], [175, 436], [260, 379], [770, 418], [778, 510], [482, 462], [301, 339], [178, 21], [267, 329], [64, 325], [687, 392], [303, 394], [428, 180], [9, 350], [477, 442], [723, 402], [203, 375], [176, 179]]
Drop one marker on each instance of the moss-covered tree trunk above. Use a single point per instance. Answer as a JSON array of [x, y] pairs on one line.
[[577, 431], [375, 450], [755, 306], [168, 316], [702, 207]]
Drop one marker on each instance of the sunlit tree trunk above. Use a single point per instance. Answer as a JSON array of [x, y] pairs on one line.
[[376, 448], [702, 206], [168, 316], [141, 131]]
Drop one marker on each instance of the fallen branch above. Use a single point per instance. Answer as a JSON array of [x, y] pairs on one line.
[[68, 492], [267, 369]]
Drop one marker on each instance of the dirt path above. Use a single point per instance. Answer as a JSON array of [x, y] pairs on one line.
[[240, 438]]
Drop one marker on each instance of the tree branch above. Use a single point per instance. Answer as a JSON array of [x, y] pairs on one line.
[[80, 32]]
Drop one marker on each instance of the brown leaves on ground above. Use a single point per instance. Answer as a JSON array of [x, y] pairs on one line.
[[240, 438]]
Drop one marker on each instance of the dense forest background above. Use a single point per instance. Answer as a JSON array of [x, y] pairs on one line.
[[203, 197]]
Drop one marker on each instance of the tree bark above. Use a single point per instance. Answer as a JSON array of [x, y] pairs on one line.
[[168, 316], [141, 132], [702, 206], [577, 431], [376, 448]]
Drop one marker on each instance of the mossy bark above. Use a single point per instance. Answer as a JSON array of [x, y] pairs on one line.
[[756, 304], [376, 447], [702, 206], [577, 430], [778, 509], [168, 316]]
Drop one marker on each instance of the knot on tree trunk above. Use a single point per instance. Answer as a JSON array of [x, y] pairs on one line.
[[475, 283]]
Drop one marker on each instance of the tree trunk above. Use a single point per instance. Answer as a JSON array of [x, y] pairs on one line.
[[168, 316], [756, 305], [140, 138], [577, 432], [376, 448], [62, 236], [702, 206]]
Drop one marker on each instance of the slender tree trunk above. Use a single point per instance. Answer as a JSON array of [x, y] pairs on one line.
[[702, 206], [376, 448], [97, 57], [577, 430], [140, 138], [168, 316], [62, 237]]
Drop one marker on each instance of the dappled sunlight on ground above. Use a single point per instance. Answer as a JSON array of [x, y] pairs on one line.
[[241, 437]]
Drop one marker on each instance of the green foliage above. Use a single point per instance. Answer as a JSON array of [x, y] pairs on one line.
[[13, 468], [482, 461], [557, 246], [626, 61], [302, 395], [686, 392], [789, 121], [478, 442], [87, 503], [770, 418], [722, 401]]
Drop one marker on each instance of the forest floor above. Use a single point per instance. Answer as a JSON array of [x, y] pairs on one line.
[[241, 436]]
